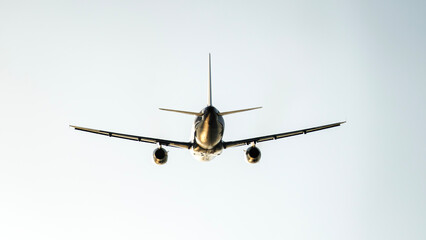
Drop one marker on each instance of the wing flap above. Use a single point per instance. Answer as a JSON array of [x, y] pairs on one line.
[[290, 134], [164, 142]]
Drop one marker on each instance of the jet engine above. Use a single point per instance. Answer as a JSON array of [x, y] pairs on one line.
[[253, 154], [160, 156]]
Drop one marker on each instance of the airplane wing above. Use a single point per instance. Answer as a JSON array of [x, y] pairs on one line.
[[278, 136], [163, 142]]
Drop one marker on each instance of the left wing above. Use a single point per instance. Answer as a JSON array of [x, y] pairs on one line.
[[163, 142], [278, 136]]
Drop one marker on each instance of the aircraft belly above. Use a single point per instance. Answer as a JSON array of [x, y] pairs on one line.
[[203, 154]]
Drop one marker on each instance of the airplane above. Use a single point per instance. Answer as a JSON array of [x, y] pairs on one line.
[[207, 133]]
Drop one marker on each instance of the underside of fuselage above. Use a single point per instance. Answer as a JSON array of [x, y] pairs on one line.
[[206, 154]]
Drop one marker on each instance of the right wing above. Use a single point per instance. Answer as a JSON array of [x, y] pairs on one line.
[[163, 142], [278, 136]]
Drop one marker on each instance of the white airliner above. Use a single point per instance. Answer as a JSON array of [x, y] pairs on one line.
[[207, 133]]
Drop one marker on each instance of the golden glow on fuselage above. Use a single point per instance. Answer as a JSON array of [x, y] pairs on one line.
[[208, 133]]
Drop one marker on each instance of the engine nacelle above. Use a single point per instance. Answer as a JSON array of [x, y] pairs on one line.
[[160, 156], [253, 154]]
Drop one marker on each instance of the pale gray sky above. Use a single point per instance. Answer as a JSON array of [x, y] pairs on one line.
[[111, 64]]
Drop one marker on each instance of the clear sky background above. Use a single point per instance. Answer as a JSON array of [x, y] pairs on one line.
[[110, 64]]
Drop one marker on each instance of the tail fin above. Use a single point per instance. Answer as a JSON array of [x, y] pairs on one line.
[[237, 111], [209, 99]]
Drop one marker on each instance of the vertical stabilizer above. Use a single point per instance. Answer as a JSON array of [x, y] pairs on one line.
[[209, 99]]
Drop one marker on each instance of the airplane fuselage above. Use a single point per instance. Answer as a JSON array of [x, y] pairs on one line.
[[207, 134]]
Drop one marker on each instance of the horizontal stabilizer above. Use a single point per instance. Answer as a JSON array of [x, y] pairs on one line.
[[184, 112], [237, 111]]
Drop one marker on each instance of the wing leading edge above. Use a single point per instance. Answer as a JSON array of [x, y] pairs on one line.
[[278, 136], [163, 142]]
